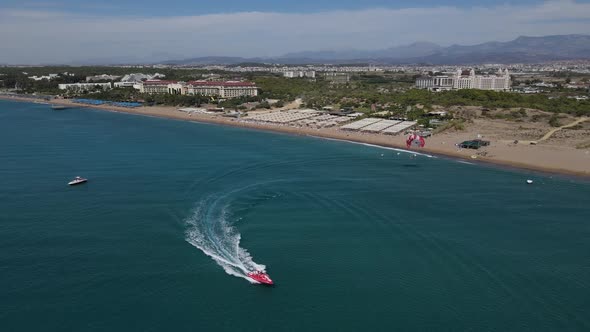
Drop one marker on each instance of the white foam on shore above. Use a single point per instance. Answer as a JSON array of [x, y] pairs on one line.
[[376, 146]]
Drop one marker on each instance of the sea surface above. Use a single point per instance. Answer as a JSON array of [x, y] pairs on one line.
[[357, 238]]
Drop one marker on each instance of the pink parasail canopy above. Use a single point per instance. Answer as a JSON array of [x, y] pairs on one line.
[[415, 141]]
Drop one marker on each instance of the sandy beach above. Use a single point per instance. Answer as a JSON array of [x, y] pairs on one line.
[[553, 155]]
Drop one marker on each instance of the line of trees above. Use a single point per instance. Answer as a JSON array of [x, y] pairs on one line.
[[128, 94], [361, 92], [494, 99]]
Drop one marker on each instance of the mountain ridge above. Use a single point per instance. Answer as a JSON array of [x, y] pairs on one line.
[[524, 49]]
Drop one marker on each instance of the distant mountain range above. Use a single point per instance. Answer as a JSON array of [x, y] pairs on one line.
[[520, 50], [397, 52]]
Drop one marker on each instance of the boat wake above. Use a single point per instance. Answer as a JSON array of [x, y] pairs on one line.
[[210, 230]]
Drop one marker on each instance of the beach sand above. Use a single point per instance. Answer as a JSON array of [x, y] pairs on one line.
[[556, 155]]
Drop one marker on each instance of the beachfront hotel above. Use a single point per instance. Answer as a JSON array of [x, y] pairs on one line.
[[435, 83], [170, 87], [466, 80], [229, 89]]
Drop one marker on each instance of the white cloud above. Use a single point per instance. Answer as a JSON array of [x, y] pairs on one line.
[[33, 36], [27, 14]]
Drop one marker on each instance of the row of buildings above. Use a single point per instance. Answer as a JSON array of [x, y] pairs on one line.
[[299, 73], [227, 89], [466, 80]]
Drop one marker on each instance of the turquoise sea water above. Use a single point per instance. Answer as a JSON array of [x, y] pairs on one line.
[[175, 212]]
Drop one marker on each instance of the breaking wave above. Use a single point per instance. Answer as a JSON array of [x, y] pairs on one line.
[[210, 229]]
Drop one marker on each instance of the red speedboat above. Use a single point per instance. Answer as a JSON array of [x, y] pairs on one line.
[[261, 277]]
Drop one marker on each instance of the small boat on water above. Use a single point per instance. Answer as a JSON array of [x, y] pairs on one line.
[[58, 107], [261, 277], [77, 180]]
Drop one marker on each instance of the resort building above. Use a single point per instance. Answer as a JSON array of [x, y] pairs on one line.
[[176, 88], [299, 73], [499, 82], [337, 77], [229, 89], [124, 84], [133, 80], [171, 87], [435, 83], [85, 86], [466, 80]]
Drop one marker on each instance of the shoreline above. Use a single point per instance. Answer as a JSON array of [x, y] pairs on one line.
[[378, 140]]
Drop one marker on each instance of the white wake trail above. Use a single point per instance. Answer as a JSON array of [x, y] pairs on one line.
[[211, 232]]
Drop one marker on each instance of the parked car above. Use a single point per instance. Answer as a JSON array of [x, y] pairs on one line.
[[482, 142]]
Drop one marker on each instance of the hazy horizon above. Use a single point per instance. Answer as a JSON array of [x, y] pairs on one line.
[[65, 32]]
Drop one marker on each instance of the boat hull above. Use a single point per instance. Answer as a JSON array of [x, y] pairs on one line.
[[73, 183], [261, 278]]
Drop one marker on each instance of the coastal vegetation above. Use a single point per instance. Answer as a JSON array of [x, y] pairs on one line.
[[392, 95], [554, 121], [365, 92], [456, 125]]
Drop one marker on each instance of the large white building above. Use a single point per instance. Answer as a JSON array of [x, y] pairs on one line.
[[229, 89], [124, 84], [435, 83], [133, 80], [337, 77], [299, 73], [157, 86], [466, 80]]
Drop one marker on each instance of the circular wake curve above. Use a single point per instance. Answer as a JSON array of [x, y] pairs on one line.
[[210, 229]]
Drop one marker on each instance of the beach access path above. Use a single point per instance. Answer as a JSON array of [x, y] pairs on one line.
[[553, 131]]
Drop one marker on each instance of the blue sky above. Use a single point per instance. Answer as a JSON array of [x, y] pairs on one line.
[[65, 31]]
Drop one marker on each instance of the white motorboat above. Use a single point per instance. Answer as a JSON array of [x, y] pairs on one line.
[[77, 180]]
